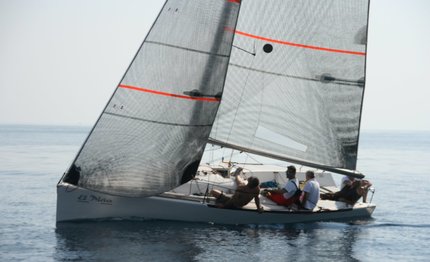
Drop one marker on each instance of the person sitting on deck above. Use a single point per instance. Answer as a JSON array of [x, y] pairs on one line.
[[311, 192], [287, 195], [350, 193], [244, 193], [346, 181]]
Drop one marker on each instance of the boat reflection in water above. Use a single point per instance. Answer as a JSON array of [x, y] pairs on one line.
[[168, 241]]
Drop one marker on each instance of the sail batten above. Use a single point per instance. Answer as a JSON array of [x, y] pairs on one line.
[[187, 49], [312, 47], [207, 99], [157, 122], [337, 81]]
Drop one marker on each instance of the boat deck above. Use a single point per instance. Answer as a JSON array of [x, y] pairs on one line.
[[209, 178], [268, 205]]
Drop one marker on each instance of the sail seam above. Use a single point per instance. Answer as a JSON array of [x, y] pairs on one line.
[[206, 99], [300, 45], [338, 81], [152, 121], [187, 49]]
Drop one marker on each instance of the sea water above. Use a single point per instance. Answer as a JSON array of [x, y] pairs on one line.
[[33, 158]]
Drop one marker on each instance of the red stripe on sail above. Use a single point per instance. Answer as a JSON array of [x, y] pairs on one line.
[[234, 1], [207, 99], [297, 45]]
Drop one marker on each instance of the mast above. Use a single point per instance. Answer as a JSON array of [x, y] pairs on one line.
[[204, 90]]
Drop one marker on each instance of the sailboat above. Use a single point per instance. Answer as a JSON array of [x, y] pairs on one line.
[[280, 79]]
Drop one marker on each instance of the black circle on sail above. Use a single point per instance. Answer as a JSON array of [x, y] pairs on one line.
[[268, 48]]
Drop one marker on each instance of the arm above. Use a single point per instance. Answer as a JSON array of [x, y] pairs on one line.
[[278, 191], [239, 181], [305, 198], [305, 194], [260, 209], [365, 184]]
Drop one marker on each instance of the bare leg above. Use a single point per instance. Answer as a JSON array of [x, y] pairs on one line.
[[365, 185], [365, 196], [216, 193]]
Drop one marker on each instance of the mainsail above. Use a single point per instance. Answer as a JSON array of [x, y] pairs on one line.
[[295, 82], [153, 131]]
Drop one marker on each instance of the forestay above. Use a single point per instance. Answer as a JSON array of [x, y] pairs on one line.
[[153, 131], [295, 82]]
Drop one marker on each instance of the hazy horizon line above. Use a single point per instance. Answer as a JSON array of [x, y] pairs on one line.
[[89, 126]]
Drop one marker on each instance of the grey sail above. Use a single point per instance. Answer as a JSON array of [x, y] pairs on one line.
[[152, 133], [295, 82]]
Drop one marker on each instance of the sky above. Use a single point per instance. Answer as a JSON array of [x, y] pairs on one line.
[[60, 60]]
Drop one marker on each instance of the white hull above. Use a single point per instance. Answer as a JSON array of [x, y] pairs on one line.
[[74, 203]]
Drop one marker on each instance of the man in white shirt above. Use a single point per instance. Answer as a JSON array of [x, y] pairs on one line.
[[287, 195], [311, 191]]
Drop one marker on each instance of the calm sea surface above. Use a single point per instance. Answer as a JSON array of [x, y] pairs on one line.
[[32, 160]]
